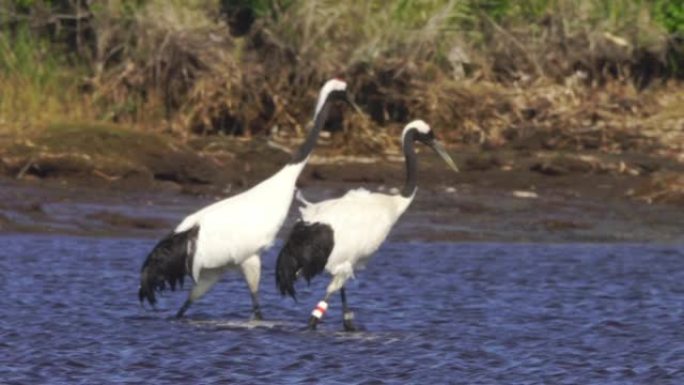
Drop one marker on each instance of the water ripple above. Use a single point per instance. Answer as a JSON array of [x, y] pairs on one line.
[[431, 313]]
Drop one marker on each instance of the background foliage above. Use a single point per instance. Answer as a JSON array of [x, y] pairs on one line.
[[252, 67]]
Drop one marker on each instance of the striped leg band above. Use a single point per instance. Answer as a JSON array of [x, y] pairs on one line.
[[320, 309]]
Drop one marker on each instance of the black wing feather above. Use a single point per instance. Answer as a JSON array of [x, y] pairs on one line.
[[306, 252], [168, 263]]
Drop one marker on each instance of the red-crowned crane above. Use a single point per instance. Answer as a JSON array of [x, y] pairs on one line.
[[231, 233], [340, 235]]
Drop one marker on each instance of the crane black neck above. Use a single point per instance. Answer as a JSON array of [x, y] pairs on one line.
[[305, 149], [411, 164]]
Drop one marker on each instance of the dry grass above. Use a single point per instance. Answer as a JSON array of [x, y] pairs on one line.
[[549, 73]]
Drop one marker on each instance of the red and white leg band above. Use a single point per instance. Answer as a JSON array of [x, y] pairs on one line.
[[320, 309]]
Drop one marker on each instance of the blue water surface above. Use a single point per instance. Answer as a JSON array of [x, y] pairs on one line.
[[432, 313]]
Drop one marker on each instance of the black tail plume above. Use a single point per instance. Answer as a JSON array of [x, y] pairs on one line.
[[167, 263], [306, 252]]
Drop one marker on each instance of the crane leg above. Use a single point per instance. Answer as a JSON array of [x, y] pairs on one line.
[[347, 314], [207, 279], [318, 312], [183, 308], [336, 284], [251, 270]]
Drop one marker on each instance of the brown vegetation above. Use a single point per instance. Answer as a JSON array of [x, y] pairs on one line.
[[562, 76], [204, 67]]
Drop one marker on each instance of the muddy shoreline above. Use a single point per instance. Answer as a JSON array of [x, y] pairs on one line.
[[500, 196]]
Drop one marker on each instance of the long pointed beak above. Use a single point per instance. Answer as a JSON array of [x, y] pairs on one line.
[[442, 152], [350, 101]]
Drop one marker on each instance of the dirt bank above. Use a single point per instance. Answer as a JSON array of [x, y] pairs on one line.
[[129, 183]]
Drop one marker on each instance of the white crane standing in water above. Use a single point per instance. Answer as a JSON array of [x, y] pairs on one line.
[[233, 232], [340, 235]]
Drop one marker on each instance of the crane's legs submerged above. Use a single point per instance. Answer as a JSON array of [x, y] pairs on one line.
[[251, 270], [183, 308], [348, 316], [207, 279], [318, 312]]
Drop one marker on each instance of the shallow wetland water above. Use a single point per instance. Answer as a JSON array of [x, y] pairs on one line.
[[433, 310]]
